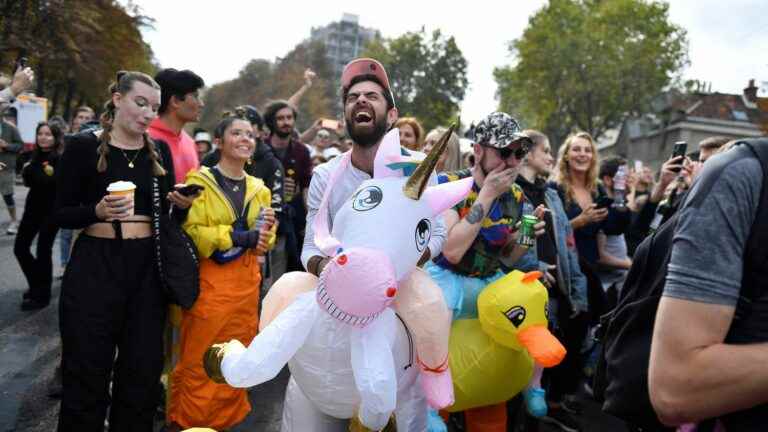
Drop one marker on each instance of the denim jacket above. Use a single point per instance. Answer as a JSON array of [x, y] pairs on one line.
[[570, 279]]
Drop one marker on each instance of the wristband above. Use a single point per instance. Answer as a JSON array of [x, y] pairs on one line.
[[244, 239], [313, 264]]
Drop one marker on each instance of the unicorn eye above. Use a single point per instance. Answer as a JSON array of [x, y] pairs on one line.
[[367, 198], [423, 234], [515, 315]]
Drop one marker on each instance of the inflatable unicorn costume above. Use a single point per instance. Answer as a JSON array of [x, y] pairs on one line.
[[349, 353]]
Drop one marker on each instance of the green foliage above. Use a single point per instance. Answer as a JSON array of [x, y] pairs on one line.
[[428, 75], [75, 46], [585, 64], [261, 81]]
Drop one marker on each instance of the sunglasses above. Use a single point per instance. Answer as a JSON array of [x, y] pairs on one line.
[[519, 148]]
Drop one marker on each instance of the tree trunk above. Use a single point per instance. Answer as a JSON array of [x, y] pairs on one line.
[[40, 79], [80, 100], [55, 98], [71, 86]]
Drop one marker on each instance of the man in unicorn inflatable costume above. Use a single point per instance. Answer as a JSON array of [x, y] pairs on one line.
[[372, 218]]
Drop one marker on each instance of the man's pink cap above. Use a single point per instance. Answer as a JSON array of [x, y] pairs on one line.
[[364, 66]]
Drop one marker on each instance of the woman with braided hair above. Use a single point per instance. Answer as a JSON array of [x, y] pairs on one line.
[[111, 297]]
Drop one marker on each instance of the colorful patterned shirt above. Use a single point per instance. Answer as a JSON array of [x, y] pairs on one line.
[[482, 258]]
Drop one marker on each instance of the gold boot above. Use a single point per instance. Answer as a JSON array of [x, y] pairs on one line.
[[212, 362], [356, 426]]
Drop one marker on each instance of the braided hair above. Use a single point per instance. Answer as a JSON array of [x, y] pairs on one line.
[[122, 85]]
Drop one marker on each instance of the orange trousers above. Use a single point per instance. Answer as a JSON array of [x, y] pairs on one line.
[[226, 309], [491, 418]]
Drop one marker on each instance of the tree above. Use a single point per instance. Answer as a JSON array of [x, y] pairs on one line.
[[586, 64], [428, 75], [261, 81], [75, 46]]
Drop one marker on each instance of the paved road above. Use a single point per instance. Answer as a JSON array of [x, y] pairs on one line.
[[30, 350]]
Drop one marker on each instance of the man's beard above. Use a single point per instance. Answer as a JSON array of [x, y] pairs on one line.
[[367, 138], [282, 134]]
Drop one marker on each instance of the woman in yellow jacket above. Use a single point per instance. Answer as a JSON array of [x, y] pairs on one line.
[[223, 223]]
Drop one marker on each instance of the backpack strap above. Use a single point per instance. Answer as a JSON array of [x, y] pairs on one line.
[[752, 309], [756, 251], [156, 216]]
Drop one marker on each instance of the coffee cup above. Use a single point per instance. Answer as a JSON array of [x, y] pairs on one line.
[[122, 188]]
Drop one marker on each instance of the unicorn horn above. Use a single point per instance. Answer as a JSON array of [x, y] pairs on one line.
[[419, 179]]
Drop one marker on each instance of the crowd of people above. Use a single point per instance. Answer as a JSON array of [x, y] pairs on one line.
[[247, 194]]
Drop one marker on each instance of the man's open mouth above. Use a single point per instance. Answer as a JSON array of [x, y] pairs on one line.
[[363, 117]]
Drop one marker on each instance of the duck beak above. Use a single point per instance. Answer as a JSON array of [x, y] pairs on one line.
[[542, 345]]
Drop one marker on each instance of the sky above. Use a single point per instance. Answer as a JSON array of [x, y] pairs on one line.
[[728, 40]]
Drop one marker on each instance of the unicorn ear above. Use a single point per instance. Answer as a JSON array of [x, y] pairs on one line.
[[388, 154], [447, 195]]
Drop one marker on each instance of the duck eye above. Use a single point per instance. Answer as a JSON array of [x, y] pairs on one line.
[[515, 315]]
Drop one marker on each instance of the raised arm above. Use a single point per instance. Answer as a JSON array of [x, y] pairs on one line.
[[22, 80], [462, 231], [309, 76]]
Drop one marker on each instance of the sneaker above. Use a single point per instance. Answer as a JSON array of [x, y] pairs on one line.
[[562, 420], [31, 304], [572, 405], [435, 423], [12, 229], [535, 401]]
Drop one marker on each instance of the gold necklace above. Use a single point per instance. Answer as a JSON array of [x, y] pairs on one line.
[[130, 161], [233, 183]]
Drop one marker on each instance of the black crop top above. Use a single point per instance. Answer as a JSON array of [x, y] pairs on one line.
[[80, 187]]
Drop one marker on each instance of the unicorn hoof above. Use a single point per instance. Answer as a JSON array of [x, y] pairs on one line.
[[212, 362], [438, 388]]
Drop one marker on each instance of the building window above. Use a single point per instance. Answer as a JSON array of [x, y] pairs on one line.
[[739, 115]]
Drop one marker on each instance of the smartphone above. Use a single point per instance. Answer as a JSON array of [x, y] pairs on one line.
[[604, 202], [329, 124], [638, 166], [190, 190], [679, 150], [22, 63]]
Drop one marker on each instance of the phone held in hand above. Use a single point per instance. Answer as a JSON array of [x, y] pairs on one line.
[[681, 147], [190, 190], [329, 124], [638, 166], [604, 202]]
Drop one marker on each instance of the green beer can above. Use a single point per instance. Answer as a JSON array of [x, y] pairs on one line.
[[527, 236]]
